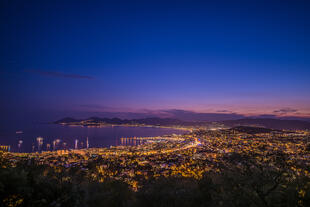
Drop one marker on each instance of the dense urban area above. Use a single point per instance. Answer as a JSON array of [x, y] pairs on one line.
[[241, 166]]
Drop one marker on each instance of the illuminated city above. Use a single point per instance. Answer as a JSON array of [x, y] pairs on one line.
[[155, 103]]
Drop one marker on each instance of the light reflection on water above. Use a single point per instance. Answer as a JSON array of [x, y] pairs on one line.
[[63, 137]]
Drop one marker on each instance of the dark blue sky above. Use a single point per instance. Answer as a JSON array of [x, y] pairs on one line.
[[248, 57]]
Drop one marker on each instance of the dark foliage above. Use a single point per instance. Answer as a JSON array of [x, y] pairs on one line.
[[249, 184]]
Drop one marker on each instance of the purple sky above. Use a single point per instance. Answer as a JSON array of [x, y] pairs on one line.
[[79, 58]]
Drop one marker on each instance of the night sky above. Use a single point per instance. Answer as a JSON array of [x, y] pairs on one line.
[[60, 58]]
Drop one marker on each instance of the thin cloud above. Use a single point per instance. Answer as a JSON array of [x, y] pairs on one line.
[[59, 74], [196, 116], [285, 111], [224, 111]]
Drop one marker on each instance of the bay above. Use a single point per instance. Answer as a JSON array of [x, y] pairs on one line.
[[97, 136]]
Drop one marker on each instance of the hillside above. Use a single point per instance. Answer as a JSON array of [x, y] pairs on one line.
[[270, 123]]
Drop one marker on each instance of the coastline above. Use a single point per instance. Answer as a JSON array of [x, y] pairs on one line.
[[126, 125]]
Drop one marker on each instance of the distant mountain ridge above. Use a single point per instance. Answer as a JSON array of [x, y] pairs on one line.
[[190, 116], [256, 122], [147, 121], [269, 123], [254, 130]]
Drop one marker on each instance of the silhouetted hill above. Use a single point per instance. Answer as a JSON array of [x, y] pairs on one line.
[[158, 121], [265, 123], [270, 123], [253, 130], [146, 121]]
